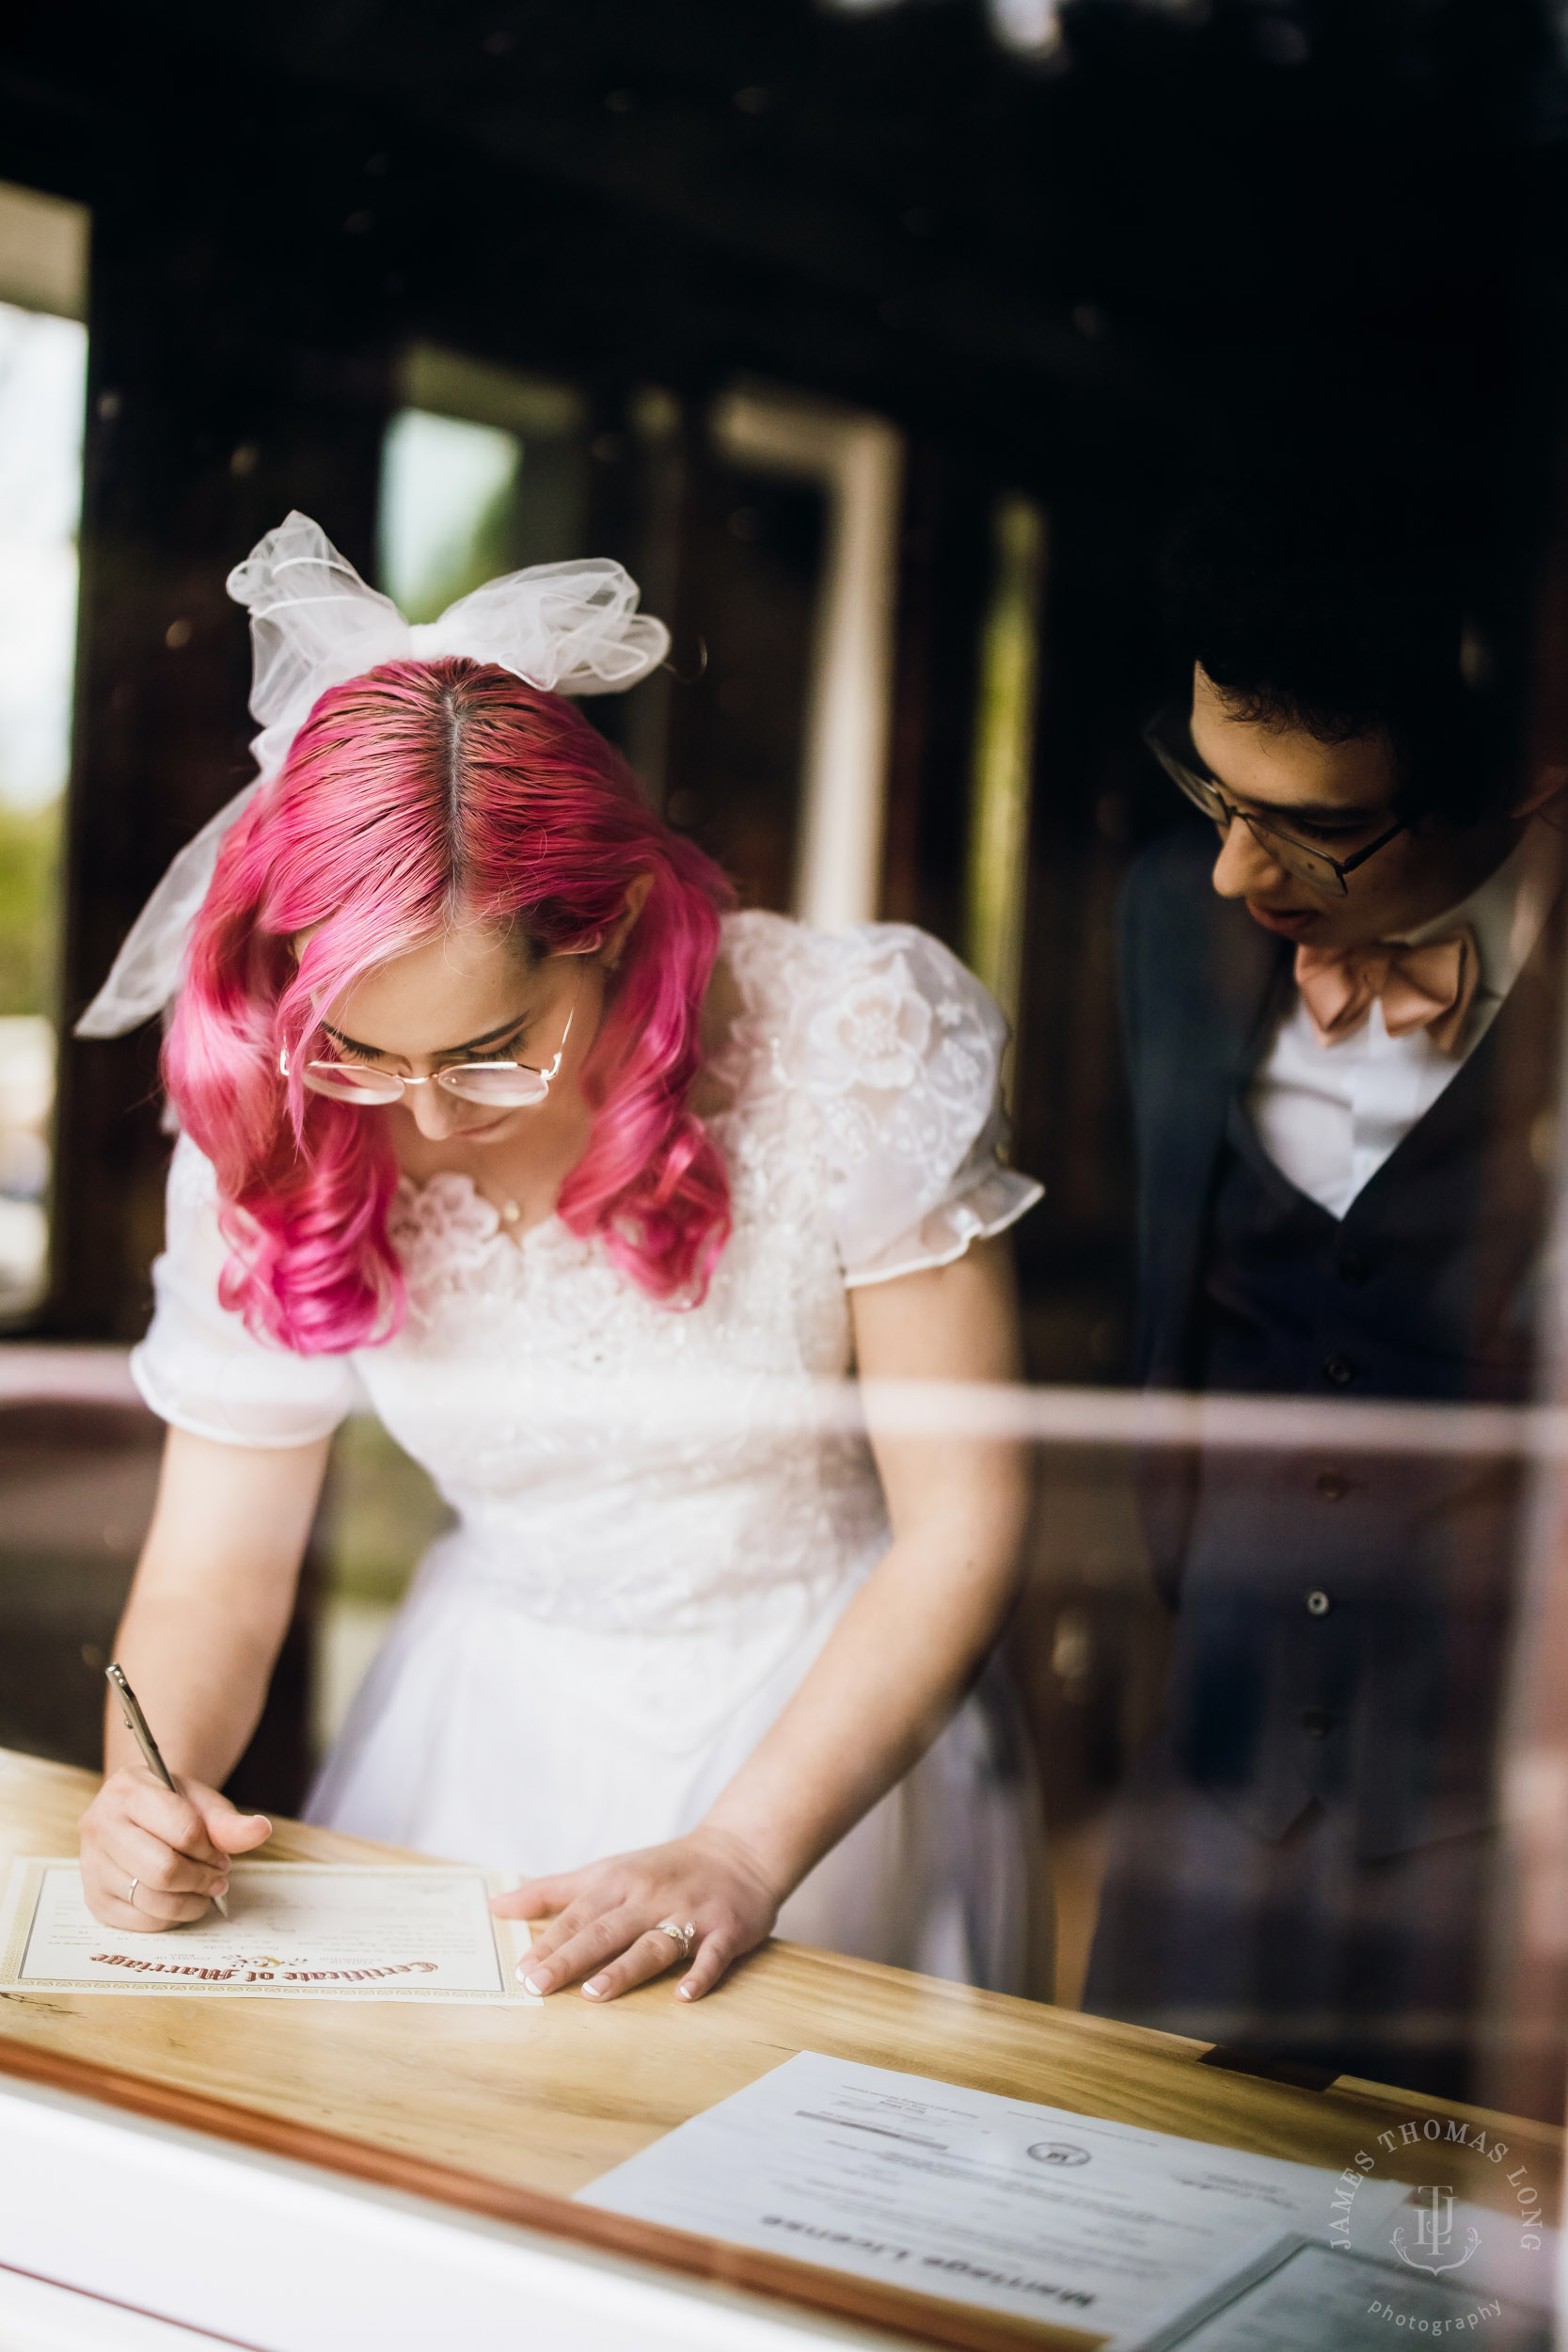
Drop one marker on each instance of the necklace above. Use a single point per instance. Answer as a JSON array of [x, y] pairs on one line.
[[510, 1213]]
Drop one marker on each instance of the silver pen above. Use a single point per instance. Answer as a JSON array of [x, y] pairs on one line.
[[136, 1725]]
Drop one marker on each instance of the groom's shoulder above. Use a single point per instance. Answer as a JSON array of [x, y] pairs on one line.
[[1170, 918], [1187, 954], [1167, 885]]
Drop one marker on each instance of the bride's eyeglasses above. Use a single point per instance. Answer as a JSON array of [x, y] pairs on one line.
[[498, 1085]]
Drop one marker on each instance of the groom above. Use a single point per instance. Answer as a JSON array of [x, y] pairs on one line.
[[1343, 1005]]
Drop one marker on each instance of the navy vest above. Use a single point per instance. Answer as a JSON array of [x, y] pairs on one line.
[[1343, 1622]]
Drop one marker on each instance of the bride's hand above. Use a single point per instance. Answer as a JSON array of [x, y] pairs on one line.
[[155, 1857], [605, 1926]]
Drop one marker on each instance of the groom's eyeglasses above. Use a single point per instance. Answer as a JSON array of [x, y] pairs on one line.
[[498, 1085], [1170, 741]]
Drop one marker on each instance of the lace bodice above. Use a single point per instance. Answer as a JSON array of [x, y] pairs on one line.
[[613, 1462]]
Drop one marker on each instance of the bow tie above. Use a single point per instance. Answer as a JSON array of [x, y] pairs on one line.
[[1427, 988]]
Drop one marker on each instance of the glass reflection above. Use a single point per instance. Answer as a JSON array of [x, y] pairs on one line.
[[1341, 1092]]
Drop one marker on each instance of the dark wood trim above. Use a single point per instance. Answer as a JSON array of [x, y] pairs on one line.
[[1269, 2070], [920, 2319]]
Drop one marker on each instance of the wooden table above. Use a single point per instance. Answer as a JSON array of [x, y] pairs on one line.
[[504, 2113]]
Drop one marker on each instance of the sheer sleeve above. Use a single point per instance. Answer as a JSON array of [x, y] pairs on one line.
[[902, 1048], [199, 1367]]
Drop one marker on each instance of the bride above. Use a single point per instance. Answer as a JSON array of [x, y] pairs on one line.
[[493, 1113]]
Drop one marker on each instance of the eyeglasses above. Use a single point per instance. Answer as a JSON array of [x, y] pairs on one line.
[[1167, 738], [499, 1085]]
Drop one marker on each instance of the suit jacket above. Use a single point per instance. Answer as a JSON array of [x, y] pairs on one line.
[[1199, 981], [1398, 1679]]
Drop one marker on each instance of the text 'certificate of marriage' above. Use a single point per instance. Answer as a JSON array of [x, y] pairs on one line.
[[312, 1931], [1028, 2210]]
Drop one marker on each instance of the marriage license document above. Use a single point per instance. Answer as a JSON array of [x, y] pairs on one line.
[[1134, 2239], [357, 1932]]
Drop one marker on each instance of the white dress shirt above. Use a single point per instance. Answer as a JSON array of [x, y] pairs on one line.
[[1328, 1116]]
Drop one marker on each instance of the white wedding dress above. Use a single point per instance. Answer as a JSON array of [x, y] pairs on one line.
[[662, 1514]]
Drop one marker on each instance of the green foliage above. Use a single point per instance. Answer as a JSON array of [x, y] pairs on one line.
[[29, 907]]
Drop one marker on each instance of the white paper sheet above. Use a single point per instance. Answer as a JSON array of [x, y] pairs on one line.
[[997, 2202], [296, 1930]]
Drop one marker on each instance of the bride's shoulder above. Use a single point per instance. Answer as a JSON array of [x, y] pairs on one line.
[[879, 1056], [881, 1009], [777, 963], [782, 971], [761, 952]]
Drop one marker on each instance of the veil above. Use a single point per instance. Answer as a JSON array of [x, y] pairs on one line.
[[573, 628]]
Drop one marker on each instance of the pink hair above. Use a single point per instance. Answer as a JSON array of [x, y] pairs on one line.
[[423, 793]]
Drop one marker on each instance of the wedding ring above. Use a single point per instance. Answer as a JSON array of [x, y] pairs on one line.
[[131, 1890], [684, 1937]]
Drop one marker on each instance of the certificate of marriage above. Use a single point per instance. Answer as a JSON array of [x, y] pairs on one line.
[[312, 1931]]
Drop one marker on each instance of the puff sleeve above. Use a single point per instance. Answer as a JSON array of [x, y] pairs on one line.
[[199, 1367], [900, 1048]]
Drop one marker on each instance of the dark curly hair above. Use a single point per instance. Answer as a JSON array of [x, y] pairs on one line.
[[1329, 597]]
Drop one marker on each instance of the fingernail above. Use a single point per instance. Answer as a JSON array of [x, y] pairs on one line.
[[222, 1887], [683, 1991], [594, 1986], [537, 1983]]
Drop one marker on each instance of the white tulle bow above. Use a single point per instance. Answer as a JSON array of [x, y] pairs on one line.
[[570, 628]]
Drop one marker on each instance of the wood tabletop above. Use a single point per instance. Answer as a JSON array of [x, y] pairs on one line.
[[511, 2110]]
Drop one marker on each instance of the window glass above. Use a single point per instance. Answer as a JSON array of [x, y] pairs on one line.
[[42, 373], [483, 470], [449, 491]]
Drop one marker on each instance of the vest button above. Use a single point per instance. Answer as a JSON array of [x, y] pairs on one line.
[[1353, 1269], [1340, 1369], [1333, 1485], [1317, 1603], [1318, 1722]]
